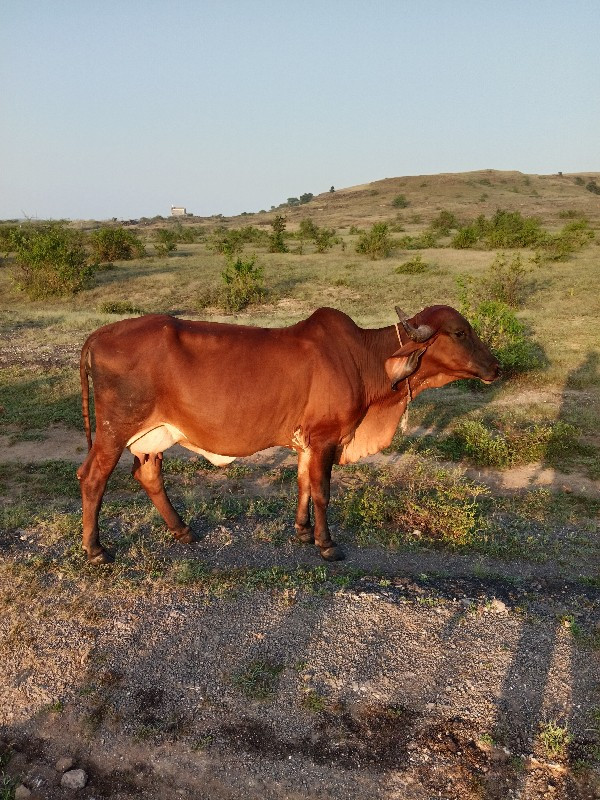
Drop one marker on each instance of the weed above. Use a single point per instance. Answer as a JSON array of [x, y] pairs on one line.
[[554, 738], [315, 702], [258, 679]]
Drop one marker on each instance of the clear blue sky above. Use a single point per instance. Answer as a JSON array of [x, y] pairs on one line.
[[122, 108]]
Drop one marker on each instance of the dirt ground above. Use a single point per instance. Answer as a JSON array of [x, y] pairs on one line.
[[427, 675]]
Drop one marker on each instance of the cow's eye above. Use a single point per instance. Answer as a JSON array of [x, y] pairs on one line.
[[460, 334]]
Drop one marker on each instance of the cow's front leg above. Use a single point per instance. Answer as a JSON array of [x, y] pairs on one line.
[[304, 530], [320, 464], [147, 470]]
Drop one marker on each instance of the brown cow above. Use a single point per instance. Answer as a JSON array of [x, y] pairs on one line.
[[324, 387]]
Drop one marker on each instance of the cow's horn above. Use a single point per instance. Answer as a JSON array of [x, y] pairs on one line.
[[420, 334]]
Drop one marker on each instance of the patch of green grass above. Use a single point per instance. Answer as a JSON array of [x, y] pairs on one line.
[[37, 398], [488, 446], [258, 679], [424, 503]]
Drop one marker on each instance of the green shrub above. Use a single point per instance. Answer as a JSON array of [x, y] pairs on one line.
[[376, 242], [505, 281], [414, 266], [243, 283], [165, 241], [423, 241], [444, 223], [506, 336], [593, 187], [325, 238], [277, 237], [308, 229], [573, 236], [50, 260], [505, 229], [116, 244], [119, 307], [466, 237], [400, 201]]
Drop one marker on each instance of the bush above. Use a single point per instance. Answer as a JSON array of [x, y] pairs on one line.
[[412, 267], [444, 223], [308, 229], [465, 238], [593, 187], [243, 284], [400, 201], [116, 244], [377, 242], [572, 237], [50, 260], [165, 241], [424, 241], [325, 238], [505, 281], [505, 229]]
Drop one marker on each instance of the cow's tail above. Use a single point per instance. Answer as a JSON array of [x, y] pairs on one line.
[[84, 365]]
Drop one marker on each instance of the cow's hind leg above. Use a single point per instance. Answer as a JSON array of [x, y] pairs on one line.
[[320, 464], [93, 475], [304, 530], [147, 470]]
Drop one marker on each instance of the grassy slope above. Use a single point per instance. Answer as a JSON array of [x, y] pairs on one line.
[[41, 340]]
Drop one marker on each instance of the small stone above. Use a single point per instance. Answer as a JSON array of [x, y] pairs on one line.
[[65, 764], [22, 792], [74, 779]]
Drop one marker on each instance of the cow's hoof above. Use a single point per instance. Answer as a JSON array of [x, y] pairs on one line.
[[185, 536], [103, 557], [333, 552], [305, 535]]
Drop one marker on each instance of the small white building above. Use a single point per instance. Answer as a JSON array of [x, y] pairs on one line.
[[178, 211]]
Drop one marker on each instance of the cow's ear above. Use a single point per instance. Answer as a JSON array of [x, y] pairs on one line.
[[404, 362]]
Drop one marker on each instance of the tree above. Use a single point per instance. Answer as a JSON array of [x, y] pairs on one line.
[[277, 238]]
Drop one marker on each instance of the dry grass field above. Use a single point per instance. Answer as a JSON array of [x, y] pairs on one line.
[[454, 654]]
